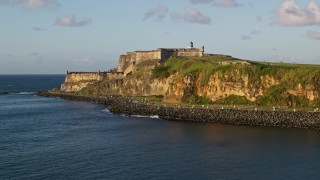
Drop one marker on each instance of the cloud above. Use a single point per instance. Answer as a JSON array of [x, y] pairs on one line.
[[259, 19], [176, 17], [313, 35], [191, 16], [32, 4], [217, 3], [34, 54], [226, 3], [194, 16], [38, 29], [291, 14], [158, 12], [250, 35], [245, 37], [72, 21], [255, 32]]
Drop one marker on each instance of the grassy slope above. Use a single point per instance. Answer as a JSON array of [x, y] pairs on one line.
[[289, 76]]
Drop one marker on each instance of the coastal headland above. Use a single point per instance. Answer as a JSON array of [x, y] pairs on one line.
[[190, 76], [261, 118]]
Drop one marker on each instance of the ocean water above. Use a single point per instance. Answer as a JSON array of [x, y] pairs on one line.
[[45, 138]]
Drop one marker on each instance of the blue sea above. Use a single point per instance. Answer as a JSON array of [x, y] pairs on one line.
[[46, 138]]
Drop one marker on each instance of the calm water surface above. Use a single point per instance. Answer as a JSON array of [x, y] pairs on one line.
[[43, 138]]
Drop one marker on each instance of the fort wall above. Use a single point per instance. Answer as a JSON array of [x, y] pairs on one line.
[[191, 52], [75, 81], [113, 75], [128, 61], [74, 77]]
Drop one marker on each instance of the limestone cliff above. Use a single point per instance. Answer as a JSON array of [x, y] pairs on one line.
[[213, 79]]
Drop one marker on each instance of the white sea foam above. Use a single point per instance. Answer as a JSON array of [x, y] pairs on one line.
[[23, 93], [154, 117], [106, 110], [140, 116]]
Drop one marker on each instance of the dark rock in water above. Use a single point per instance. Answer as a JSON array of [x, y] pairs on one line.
[[264, 118], [4, 93]]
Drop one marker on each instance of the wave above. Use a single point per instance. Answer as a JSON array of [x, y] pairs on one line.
[[24, 93], [17, 93], [140, 116], [106, 110]]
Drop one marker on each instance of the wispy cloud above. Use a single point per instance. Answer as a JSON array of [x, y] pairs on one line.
[[217, 3], [176, 17], [195, 16], [313, 35], [250, 35], [255, 32], [259, 19], [34, 54], [38, 29], [191, 16], [158, 12], [245, 37], [72, 21], [32, 4], [291, 14]]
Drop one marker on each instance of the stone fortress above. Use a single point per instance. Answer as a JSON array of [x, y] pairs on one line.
[[128, 63]]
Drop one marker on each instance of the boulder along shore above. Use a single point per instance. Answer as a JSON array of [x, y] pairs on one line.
[[264, 118]]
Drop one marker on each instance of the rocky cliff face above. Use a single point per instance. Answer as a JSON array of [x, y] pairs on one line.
[[239, 81], [220, 88], [176, 90]]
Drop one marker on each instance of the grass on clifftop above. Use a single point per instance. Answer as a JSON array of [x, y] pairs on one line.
[[232, 70]]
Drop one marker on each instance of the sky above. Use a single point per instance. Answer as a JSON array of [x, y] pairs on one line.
[[53, 36]]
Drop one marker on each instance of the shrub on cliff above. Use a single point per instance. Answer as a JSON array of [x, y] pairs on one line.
[[194, 99], [160, 72], [278, 96], [234, 100]]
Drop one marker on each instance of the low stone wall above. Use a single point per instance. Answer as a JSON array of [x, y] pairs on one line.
[[128, 106]]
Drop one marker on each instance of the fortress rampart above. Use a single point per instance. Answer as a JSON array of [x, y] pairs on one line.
[[74, 77], [128, 61], [75, 81]]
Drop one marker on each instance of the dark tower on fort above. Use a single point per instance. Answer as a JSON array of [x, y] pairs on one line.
[[191, 44]]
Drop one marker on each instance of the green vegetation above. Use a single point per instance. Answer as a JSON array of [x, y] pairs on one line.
[[194, 99], [231, 69], [234, 100], [201, 66], [258, 75], [228, 69], [189, 97], [278, 95], [160, 72]]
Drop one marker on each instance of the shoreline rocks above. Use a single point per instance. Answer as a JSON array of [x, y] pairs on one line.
[[261, 118]]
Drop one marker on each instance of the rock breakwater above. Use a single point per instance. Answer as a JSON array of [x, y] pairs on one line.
[[265, 118]]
